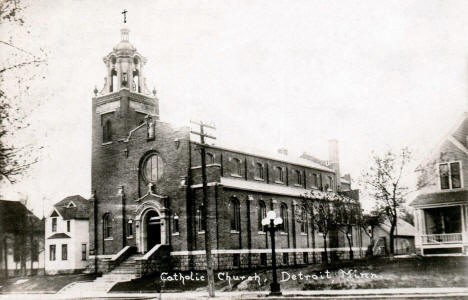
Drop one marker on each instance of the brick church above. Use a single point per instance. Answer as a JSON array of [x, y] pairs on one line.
[[146, 205]]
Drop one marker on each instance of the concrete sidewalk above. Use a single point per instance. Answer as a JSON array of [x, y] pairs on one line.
[[423, 293]]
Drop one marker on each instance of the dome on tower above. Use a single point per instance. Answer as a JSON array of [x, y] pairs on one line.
[[124, 45]]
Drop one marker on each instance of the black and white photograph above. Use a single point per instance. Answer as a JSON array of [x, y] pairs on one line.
[[222, 149]]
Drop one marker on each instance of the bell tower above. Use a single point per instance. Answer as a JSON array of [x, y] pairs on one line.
[[124, 101], [125, 68]]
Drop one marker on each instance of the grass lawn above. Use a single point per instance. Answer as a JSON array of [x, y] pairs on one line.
[[372, 273], [46, 283]]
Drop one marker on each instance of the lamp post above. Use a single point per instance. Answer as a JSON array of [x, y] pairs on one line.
[[273, 222]]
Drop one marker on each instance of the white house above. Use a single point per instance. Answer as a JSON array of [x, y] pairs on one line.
[[67, 236], [441, 208]]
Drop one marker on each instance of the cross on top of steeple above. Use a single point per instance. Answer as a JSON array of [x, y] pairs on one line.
[[125, 15]]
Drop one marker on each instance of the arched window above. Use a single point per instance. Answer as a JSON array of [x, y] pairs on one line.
[[235, 214], [113, 83], [279, 174], [209, 158], [153, 168], [259, 171], [107, 225], [261, 215], [284, 216], [236, 167], [298, 177], [303, 220], [107, 132], [136, 82]]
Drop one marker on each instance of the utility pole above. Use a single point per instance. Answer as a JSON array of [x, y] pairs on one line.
[[206, 212]]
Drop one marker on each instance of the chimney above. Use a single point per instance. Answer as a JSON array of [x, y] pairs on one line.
[[283, 151], [334, 159]]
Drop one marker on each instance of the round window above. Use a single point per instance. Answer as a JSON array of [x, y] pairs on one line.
[[153, 168]]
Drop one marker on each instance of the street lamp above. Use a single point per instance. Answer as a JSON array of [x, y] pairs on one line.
[[272, 222]]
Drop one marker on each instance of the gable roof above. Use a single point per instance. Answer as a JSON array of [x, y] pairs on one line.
[[456, 135], [298, 161], [403, 228], [80, 211], [14, 216]]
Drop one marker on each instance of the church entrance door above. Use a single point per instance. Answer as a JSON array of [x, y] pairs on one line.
[[153, 229]]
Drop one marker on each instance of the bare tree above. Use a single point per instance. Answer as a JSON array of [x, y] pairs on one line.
[[383, 181], [368, 222], [15, 76], [348, 216], [322, 206]]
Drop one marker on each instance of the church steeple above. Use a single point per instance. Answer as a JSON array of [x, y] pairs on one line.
[[124, 68], [124, 102]]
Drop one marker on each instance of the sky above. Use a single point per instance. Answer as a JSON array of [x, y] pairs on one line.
[[374, 75]]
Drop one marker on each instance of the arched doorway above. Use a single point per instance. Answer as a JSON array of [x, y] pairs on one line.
[[152, 226]]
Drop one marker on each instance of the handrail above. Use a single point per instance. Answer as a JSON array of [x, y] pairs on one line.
[[151, 252], [119, 254]]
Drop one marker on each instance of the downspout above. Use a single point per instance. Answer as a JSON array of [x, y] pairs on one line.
[[249, 233], [124, 222], [294, 231], [95, 207], [217, 223]]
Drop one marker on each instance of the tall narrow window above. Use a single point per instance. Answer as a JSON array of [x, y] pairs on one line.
[[68, 226], [113, 85], [279, 174], [64, 252], [52, 252], [209, 158], [455, 175], [54, 224], [175, 224], [200, 218], [130, 228], [235, 214], [298, 177], [261, 215], [236, 167], [314, 180], [136, 82], [107, 132], [303, 220], [107, 226], [259, 171], [83, 251], [284, 216]]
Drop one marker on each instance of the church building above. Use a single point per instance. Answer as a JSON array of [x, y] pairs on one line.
[[146, 205]]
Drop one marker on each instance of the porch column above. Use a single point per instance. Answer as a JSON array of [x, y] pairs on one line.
[[463, 225]]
